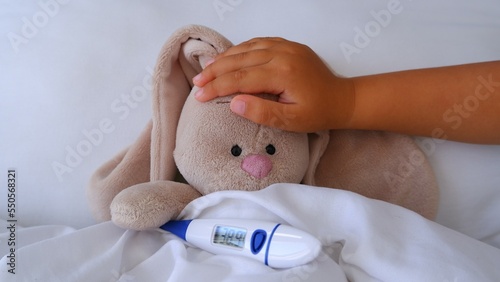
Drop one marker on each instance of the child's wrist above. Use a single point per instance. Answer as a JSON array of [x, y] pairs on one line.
[[341, 108], [350, 94]]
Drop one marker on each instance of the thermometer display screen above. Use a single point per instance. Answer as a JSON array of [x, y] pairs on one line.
[[229, 236]]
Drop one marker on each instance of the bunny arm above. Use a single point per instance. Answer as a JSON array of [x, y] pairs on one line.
[[129, 167], [150, 205]]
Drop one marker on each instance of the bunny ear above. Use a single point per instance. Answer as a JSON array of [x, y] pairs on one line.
[[180, 59], [380, 165], [150, 157]]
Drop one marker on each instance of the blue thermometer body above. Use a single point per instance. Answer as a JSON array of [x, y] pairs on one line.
[[276, 245]]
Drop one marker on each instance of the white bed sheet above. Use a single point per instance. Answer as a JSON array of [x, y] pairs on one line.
[[75, 85], [371, 241]]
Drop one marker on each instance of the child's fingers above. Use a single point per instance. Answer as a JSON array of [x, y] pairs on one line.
[[273, 114], [248, 80], [251, 53], [263, 111], [252, 44], [232, 63]]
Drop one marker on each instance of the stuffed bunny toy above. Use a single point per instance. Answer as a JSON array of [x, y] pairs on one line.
[[190, 149]]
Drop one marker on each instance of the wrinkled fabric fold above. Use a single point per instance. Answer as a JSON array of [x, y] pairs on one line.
[[371, 240]]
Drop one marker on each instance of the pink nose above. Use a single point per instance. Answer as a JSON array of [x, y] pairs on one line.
[[257, 166]]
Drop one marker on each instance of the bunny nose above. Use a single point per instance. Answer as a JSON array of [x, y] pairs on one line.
[[258, 166]]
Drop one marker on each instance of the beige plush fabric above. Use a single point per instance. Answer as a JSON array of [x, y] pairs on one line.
[[380, 165], [216, 150], [173, 77]]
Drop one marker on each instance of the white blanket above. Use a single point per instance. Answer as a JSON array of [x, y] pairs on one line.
[[363, 240]]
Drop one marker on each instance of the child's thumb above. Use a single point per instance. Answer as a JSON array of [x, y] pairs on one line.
[[262, 111]]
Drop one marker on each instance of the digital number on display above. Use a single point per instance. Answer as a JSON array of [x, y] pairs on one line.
[[229, 236]]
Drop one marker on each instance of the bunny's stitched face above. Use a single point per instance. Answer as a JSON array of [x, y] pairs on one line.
[[217, 150]]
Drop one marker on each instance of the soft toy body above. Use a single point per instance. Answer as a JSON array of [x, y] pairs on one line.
[[215, 150]]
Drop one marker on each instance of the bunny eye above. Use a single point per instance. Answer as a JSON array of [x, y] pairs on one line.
[[236, 150], [270, 149]]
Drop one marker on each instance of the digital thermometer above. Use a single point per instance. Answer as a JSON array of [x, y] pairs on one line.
[[276, 245]]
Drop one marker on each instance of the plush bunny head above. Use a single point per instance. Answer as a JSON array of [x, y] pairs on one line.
[[218, 150]]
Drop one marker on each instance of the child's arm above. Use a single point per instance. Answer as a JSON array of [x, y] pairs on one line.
[[458, 102]]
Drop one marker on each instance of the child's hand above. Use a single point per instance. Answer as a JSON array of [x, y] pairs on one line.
[[460, 103], [311, 97]]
